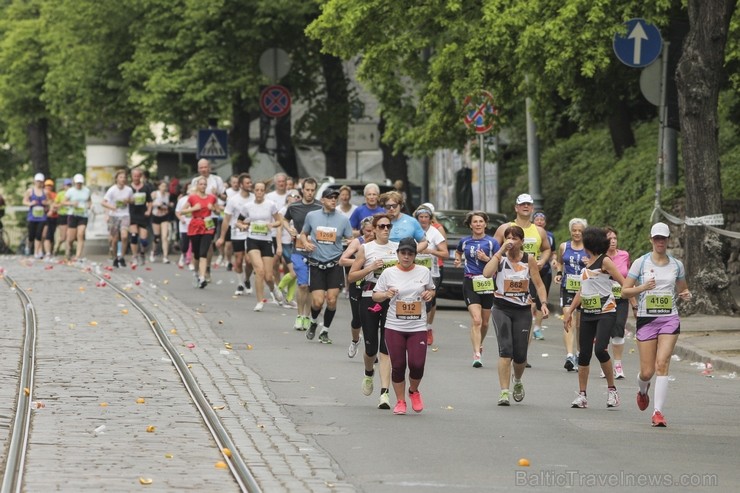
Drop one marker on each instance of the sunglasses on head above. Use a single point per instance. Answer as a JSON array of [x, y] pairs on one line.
[[385, 226]]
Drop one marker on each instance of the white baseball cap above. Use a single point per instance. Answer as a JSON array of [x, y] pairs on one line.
[[524, 198], [78, 178], [38, 177], [428, 205], [660, 229]]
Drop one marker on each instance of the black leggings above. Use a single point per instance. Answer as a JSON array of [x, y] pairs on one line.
[[373, 325], [36, 230], [623, 308], [354, 304], [512, 324], [201, 244], [184, 243], [597, 327]]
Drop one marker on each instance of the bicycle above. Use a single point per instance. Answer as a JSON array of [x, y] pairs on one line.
[[5, 241]]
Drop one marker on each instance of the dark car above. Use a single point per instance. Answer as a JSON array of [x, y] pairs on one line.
[[453, 222]]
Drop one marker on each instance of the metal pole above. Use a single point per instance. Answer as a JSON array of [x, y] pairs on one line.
[[669, 165], [482, 175], [533, 158], [494, 191], [661, 124]]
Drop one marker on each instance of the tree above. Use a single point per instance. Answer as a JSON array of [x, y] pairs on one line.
[[699, 77]]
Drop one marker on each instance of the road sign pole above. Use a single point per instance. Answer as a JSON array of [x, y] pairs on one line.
[[661, 124], [482, 175]]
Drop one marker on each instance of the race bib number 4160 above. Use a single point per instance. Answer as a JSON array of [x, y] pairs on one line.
[[659, 303]]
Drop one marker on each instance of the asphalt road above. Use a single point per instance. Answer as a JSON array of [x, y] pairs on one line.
[[463, 441]]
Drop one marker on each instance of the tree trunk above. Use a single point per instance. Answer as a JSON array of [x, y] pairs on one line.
[[698, 82], [395, 165], [38, 145], [620, 128], [241, 161], [334, 144]]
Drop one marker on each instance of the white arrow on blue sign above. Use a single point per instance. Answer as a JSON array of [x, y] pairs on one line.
[[640, 46]]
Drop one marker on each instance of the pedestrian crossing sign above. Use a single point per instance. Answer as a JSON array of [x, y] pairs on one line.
[[213, 143]]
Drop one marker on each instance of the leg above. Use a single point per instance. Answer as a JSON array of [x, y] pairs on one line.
[[80, 230], [255, 259]]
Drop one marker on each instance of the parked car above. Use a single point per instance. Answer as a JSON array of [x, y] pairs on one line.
[[453, 222], [358, 188]]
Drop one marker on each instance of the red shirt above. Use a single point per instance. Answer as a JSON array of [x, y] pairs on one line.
[[201, 218]]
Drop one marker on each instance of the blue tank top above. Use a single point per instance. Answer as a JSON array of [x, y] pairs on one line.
[[37, 213], [573, 261], [469, 247]]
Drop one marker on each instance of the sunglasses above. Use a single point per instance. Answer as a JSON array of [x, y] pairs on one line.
[[294, 196], [391, 206], [385, 226]]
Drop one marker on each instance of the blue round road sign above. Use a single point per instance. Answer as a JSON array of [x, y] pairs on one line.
[[275, 101], [641, 44]]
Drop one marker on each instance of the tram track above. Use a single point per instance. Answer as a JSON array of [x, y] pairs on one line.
[[18, 442]]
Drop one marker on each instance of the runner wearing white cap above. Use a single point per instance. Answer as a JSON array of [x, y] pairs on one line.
[[78, 200]]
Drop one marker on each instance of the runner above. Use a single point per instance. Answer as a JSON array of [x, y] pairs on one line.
[[540, 220], [622, 260], [233, 189], [296, 214], [140, 210], [322, 235], [288, 283], [355, 288], [598, 313], [52, 216], [477, 250], [63, 218], [436, 250], [161, 221], [279, 196], [215, 187], [202, 227], [406, 287], [183, 222], [116, 200], [371, 259], [512, 317], [661, 278], [344, 205], [78, 200], [403, 224], [238, 237], [369, 208], [258, 217], [38, 202], [571, 258]]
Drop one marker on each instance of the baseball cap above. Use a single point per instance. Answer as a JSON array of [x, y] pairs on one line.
[[38, 177], [660, 229], [524, 198], [79, 178], [329, 192], [68, 181], [407, 244], [423, 210], [428, 205], [49, 183]]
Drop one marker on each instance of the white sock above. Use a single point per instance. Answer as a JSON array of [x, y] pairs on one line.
[[643, 384], [661, 392], [239, 278]]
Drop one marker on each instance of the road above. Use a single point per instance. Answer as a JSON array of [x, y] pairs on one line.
[[462, 440]]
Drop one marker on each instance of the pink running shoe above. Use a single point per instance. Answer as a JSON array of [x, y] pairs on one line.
[[659, 420], [643, 400], [400, 408], [417, 404]]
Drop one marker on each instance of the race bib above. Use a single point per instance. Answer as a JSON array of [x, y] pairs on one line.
[[573, 283], [259, 228], [139, 198], [591, 304], [659, 303], [408, 310], [483, 285], [424, 260], [516, 287], [210, 223], [530, 246], [326, 235], [387, 262], [78, 211], [120, 204], [37, 211], [617, 290]]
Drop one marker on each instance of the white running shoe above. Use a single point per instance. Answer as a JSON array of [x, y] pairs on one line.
[[618, 371], [352, 350], [612, 400], [580, 402], [259, 306], [191, 266], [152, 258], [239, 290], [166, 260], [278, 296]]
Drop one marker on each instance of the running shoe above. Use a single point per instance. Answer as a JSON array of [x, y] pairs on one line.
[[278, 295], [503, 398], [152, 257], [538, 335], [248, 285], [259, 306], [298, 325], [311, 331], [219, 260], [580, 402], [602, 374], [659, 420], [290, 304], [352, 350], [417, 403], [570, 363], [306, 322], [229, 266], [324, 337], [181, 261], [122, 261], [430, 337], [134, 261], [239, 290], [202, 284], [116, 262], [400, 408], [518, 393], [367, 385], [643, 400], [191, 266], [618, 371], [612, 399], [166, 260], [476, 360], [384, 402]]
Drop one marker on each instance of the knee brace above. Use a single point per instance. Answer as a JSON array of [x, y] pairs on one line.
[[144, 242], [617, 341], [133, 238]]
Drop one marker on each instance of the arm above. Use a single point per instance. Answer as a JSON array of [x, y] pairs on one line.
[[545, 249], [492, 266], [499, 234], [225, 226], [441, 251], [559, 264], [682, 288], [534, 274], [346, 260], [27, 198]]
